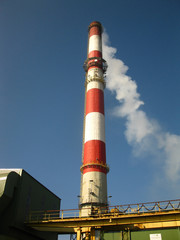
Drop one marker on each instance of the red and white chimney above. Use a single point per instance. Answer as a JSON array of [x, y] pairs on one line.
[[94, 168]]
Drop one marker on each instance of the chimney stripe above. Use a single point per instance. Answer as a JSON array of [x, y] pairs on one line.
[[95, 101], [94, 31], [95, 53], [95, 43], [94, 127]]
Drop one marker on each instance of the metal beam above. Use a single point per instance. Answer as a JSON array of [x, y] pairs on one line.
[[136, 221]]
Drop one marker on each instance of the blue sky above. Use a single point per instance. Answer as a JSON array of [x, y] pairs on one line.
[[43, 45]]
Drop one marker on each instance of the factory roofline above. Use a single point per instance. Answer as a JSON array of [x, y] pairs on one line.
[[20, 171]]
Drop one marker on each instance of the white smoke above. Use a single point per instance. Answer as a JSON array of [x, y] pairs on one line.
[[144, 134]]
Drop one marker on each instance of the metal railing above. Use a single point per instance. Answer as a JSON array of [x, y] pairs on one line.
[[147, 207], [39, 216], [138, 208]]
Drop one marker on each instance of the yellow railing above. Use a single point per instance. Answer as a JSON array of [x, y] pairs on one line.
[[138, 208]]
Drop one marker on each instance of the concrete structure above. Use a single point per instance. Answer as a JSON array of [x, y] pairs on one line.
[[20, 194], [96, 220], [94, 169], [140, 221]]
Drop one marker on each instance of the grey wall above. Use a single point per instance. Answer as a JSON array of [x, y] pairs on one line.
[[20, 194]]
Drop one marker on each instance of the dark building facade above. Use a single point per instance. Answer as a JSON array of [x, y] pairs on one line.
[[20, 194]]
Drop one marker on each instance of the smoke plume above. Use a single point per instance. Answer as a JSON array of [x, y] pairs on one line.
[[144, 134]]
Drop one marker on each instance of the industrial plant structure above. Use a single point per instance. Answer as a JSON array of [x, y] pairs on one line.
[[30, 211], [94, 169], [20, 194], [94, 219]]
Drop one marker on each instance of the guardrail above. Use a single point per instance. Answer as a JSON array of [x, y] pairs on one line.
[[39, 216], [138, 208], [148, 207]]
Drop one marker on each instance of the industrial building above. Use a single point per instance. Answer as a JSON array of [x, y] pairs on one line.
[[146, 221], [20, 194], [30, 211], [95, 219]]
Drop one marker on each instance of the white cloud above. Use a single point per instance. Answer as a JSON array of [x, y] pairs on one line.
[[138, 127], [171, 146], [144, 134]]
